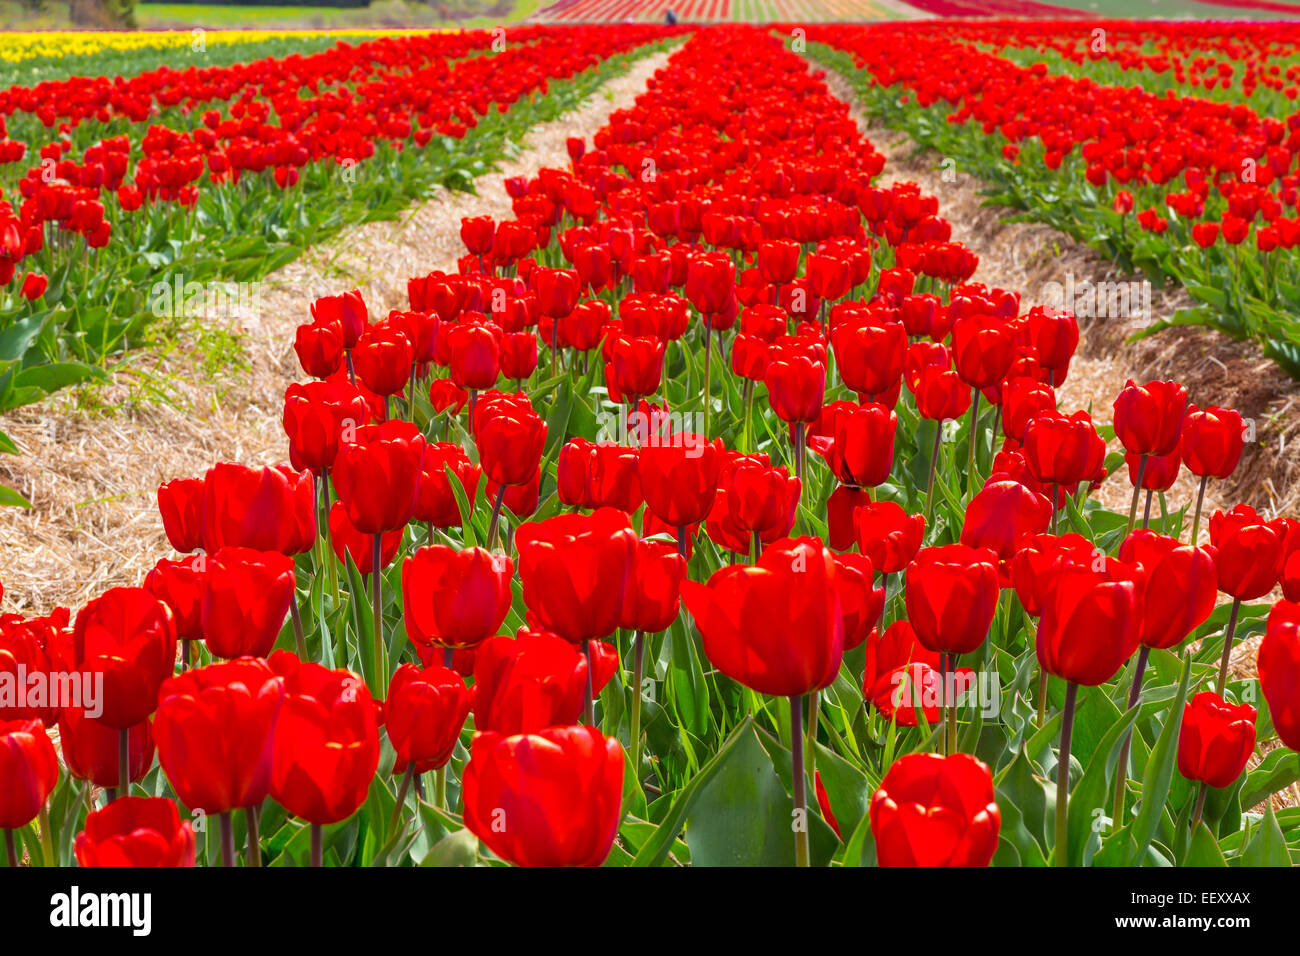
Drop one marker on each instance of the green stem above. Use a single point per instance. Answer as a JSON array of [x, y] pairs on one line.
[[495, 523], [227, 840], [934, 466], [1200, 804], [1137, 487], [299, 642], [638, 671], [801, 854], [47, 838], [253, 822], [440, 788], [949, 682], [1060, 856], [1227, 644], [329, 548], [405, 786], [316, 849], [1200, 500], [377, 607], [588, 703], [708, 374], [124, 762], [1121, 768], [974, 427]]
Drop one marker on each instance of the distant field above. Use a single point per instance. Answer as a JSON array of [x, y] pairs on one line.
[[689, 11]]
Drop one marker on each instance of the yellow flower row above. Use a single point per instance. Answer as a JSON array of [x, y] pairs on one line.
[[16, 47]]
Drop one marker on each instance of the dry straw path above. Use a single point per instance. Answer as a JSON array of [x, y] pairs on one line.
[[91, 462]]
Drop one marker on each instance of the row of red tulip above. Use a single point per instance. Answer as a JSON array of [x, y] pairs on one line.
[[765, 170], [254, 121], [1151, 179]]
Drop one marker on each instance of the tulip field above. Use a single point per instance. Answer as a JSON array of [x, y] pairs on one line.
[[711, 510]]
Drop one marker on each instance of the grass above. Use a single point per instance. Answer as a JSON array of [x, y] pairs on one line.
[[1166, 9], [385, 13], [465, 14]]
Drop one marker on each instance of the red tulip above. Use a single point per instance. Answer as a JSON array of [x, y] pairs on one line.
[[436, 502], [325, 747], [1215, 740], [246, 597], [475, 353], [347, 311], [319, 348], [179, 585], [888, 535], [759, 499], [1250, 552], [455, 598], [635, 368], [870, 355], [1062, 449], [1211, 441], [935, 811], [860, 604], [1002, 515], [424, 713], [382, 357], [129, 636], [534, 681], [1179, 586], [598, 475], [710, 283], [90, 749], [1036, 561], [557, 291], [509, 436], [136, 831], [317, 416], [267, 509], [778, 261], [575, 569], [378, 476], [214, 727], [951, 594], [940, 393], [347, 542], [653, 595], [796, 386], [29, 768], [1149, 418], [1278, 664], [1091, 622], [860, 447], [549, 798], [982, 348], [519, 354], [774, 626], [1022, 399], [180, 502], [679, 477]]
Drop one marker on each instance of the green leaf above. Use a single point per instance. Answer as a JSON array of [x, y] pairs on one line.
[[656, 848], [1268, 846], [1275, 772], [1204, 849], [742, 817], [1160, 770], [11, 498]]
